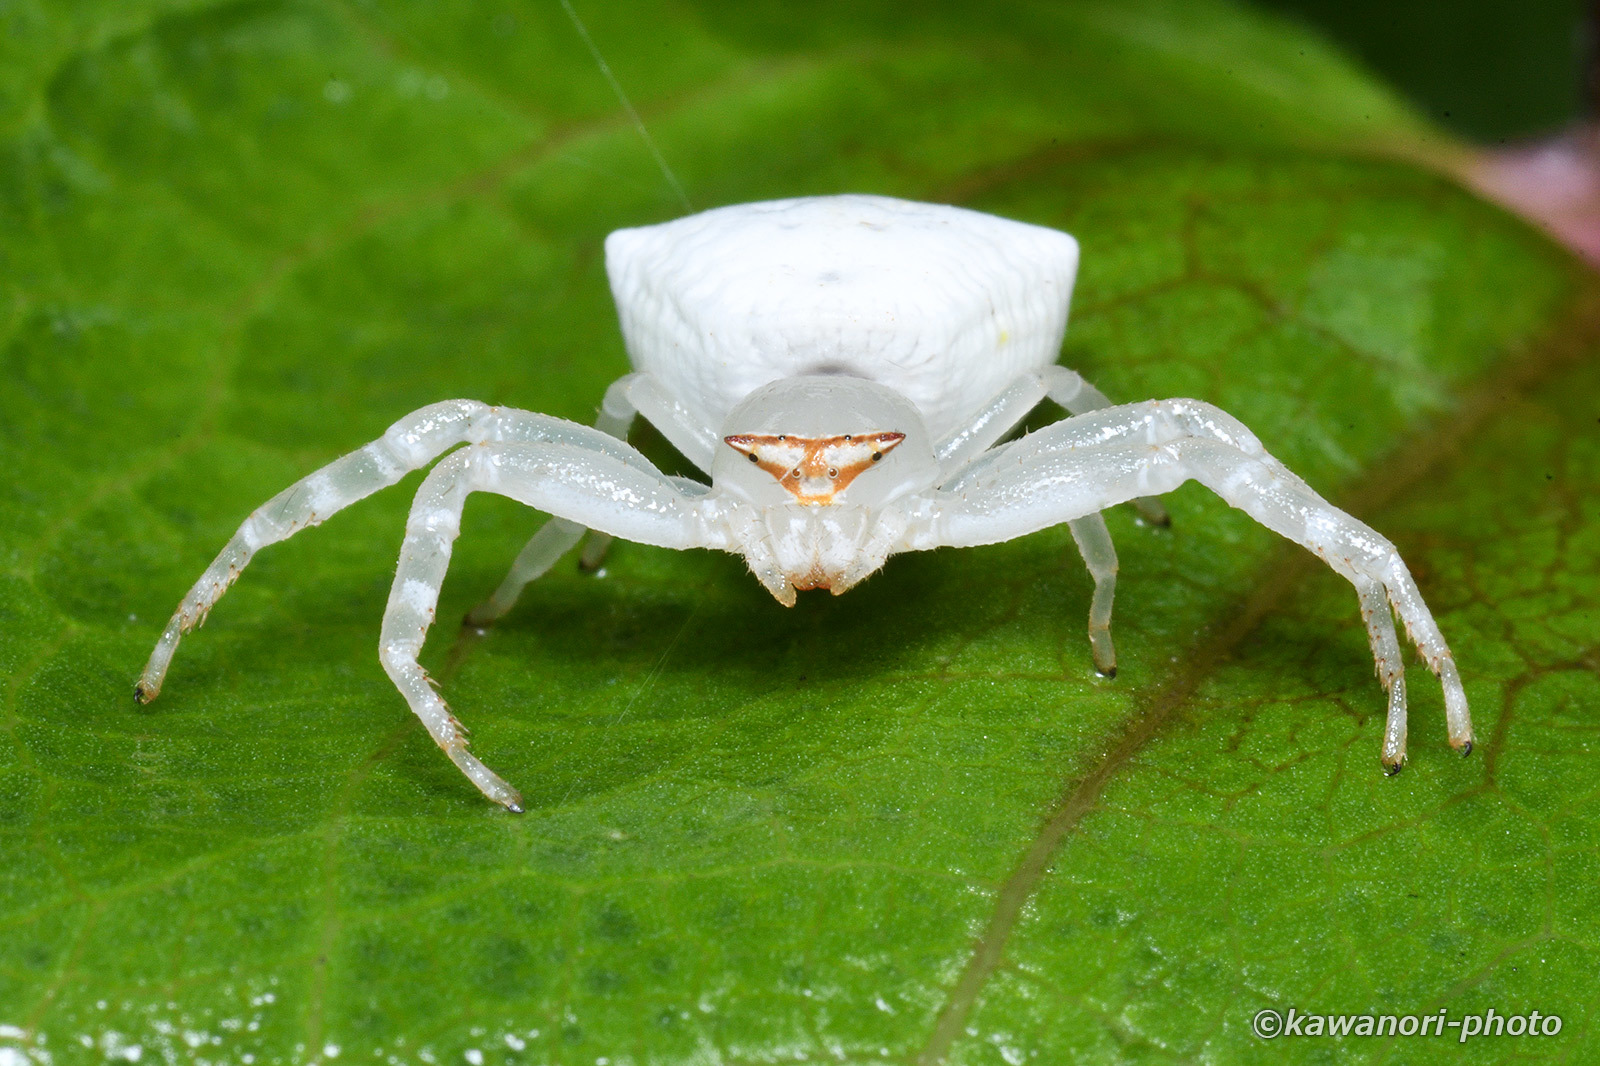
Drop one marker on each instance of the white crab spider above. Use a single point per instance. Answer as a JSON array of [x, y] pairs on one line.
[[843, 368]]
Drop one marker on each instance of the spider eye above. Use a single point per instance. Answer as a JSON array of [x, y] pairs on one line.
[[832, 472], [876, 456], [848, 437], [753, 458], [783, 436]]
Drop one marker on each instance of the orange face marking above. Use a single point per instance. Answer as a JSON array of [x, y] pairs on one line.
[[815, 469]]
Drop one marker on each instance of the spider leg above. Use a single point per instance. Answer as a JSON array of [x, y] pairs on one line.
[[553, 540], [1391, 668], [410, 444], [994, 420], [1011, 405], [1000, 416], [1070, 390], [640, 394], [1100, 556], [578, 487], [628, 397], [1090, 462]]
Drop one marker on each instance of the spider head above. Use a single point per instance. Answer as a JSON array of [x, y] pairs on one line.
[[822, 460], [815, 469]]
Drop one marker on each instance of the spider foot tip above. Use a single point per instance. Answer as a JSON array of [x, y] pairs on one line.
[[1466, 749], [1109, 672], [1392, 768], [142, 695]]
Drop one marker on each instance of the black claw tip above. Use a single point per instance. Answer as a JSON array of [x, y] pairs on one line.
[[1108, 674], [1164, 522], [1466, 749], [1390, 769], [139, 695], [514, 808]]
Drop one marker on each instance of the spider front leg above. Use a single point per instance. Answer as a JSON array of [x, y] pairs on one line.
[[1093, 461], [580, 488], [1000, 416], [628, 397], [545, 548], [410, 444], [1391, 668], [1006, 410]]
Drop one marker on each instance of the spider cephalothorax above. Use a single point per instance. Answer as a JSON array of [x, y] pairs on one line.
[[815, 469], [823, 542], [765, 339]]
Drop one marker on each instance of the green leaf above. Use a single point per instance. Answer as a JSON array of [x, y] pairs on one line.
[[907, 825]]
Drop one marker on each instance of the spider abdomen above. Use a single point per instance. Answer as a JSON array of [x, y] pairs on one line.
[[947, 305]]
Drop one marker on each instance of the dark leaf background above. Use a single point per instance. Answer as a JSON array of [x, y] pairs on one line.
[[908, 825]]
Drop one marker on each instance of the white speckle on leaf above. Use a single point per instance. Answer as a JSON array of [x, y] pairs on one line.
[[409, 82]]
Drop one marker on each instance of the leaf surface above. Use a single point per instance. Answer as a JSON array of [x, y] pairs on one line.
[[907, 825]]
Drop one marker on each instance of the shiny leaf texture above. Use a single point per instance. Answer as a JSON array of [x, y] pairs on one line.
[[907, 825]]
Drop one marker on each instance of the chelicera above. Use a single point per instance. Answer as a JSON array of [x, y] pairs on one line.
[[846, 370]]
